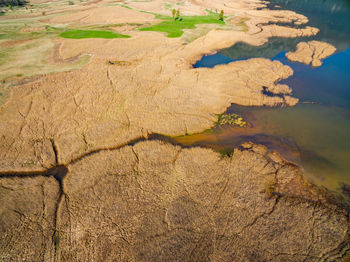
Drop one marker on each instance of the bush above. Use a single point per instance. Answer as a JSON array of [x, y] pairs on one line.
[[13, 3], [221, 15]]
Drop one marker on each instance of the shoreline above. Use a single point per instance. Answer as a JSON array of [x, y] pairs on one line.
[[82, 170]]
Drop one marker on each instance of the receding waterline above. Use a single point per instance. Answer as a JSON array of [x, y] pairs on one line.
[[315, 135]]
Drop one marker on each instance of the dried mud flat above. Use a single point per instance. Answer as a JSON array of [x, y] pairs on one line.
[[78, 183], [311, 53]]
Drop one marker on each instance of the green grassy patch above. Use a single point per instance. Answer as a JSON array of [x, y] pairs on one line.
[[80, 34], [174, 27]]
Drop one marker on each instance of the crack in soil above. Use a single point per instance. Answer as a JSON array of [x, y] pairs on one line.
[[54, 148], [60, 171]]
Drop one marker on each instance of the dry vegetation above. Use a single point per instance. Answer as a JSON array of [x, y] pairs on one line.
[[77, 183]]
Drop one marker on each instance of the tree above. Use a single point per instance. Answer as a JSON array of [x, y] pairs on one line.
[[12, 3], [174, 12], [221, 15], [177, 14]]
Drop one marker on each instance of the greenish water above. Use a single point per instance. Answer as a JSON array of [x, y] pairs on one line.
[[316, 132], [313, 135]]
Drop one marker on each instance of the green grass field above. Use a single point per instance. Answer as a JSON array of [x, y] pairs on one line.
[[80, 34], [174, 28]]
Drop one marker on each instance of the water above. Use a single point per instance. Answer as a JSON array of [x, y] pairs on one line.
[[332, 17], [242, 51], [316, 132]]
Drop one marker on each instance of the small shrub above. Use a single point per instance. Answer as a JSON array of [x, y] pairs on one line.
[[226, 153], [221, 15], [12, 3], [231, 120], [177, 16]]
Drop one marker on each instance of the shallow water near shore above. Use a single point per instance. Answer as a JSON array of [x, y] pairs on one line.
[[316, 132], [314, 136]]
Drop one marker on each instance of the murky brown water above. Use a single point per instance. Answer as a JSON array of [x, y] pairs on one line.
[[314, 136]]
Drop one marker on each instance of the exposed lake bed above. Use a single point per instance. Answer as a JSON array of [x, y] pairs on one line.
[[84, 175], [315, 132]]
